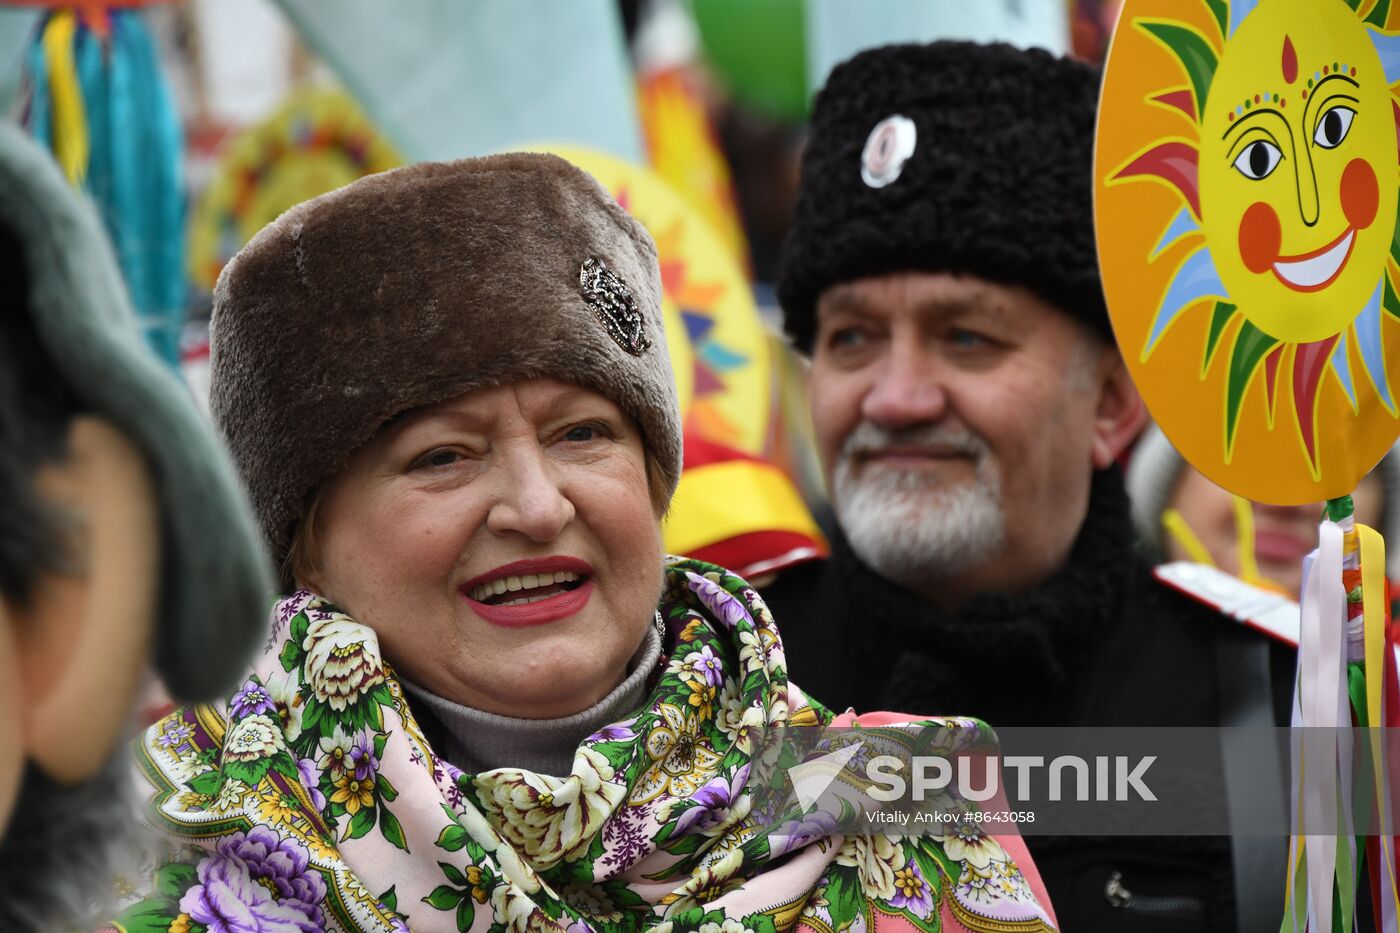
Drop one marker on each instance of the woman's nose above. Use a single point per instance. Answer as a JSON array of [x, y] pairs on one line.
[[906, 391], [530, 501]]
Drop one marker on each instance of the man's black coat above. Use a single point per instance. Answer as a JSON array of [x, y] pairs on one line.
[[1101, 643]]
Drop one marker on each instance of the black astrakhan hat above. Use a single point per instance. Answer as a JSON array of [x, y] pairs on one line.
[[949, 157]]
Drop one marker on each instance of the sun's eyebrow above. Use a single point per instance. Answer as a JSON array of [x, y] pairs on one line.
[[1315, 96], [1250, 116], [1329, 79]]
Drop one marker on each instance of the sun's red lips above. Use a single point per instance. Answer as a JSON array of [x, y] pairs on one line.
[[1315, 270]]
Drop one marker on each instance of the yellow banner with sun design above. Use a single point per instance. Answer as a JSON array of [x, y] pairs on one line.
[[1245, 204]]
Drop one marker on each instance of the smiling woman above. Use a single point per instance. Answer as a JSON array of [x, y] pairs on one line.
[[488, 700]]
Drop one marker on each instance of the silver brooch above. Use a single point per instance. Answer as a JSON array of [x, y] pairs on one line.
[[612, 301]]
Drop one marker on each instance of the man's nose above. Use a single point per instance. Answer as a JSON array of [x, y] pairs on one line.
[[530, 500], [908, 388]]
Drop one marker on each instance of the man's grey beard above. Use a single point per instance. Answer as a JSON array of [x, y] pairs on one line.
[[907, 525]]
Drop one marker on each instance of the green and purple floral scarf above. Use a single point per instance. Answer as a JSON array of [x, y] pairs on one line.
[[310, 801]]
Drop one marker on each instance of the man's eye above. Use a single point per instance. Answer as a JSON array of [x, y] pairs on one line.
[[967, 338], [846, 337]]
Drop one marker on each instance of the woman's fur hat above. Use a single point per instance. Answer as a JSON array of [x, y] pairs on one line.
[[214, 582], [417, 285]]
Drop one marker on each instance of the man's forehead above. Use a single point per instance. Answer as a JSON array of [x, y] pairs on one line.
[[925, 293]]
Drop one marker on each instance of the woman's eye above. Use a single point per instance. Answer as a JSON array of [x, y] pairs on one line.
[[582, 433], [1258, 159], [437, 459], [1333, 127]]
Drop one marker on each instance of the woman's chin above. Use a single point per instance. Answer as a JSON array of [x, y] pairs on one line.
[[553, 677], [561, 699]]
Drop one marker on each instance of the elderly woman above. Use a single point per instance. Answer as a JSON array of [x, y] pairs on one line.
[[490, 702]]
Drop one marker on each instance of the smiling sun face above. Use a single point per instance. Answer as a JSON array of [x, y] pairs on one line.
[[1294, 215], [1285, 186]]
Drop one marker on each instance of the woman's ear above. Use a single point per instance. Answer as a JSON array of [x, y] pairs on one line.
[[86, 636], [1119, 415]]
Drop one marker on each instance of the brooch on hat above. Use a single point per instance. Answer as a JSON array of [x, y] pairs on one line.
[[611, 300], [887, 148]]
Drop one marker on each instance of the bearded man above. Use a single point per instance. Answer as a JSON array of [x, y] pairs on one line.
[[970, 407]]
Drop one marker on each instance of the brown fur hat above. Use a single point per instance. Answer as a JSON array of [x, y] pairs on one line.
[[417, 285]]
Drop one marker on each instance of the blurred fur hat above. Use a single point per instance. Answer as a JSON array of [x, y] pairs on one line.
[[214, 587], [414, 286], [949, 157]]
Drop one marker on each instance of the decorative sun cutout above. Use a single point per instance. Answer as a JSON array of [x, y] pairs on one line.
[[1281, 153]]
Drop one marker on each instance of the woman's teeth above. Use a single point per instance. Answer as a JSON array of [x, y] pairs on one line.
[[530, 581]]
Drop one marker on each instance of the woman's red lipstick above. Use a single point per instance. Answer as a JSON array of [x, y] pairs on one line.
[[559, 600]]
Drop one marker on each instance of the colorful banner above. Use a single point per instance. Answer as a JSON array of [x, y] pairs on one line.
[[682, 149]]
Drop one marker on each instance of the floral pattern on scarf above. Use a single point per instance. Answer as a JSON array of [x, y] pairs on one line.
[[310, 800]]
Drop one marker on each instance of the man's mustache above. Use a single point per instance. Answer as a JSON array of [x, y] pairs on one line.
[[869, 438]]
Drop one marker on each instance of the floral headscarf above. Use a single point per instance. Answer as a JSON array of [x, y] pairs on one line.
[[310, 800]]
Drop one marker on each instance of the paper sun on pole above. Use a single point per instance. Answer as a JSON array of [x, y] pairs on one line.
[[1245, 200]]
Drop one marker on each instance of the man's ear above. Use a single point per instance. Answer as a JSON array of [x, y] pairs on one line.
[[86, 636], [1120, 414]]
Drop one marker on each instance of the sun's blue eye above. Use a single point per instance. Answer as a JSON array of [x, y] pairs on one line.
[[1333, 127], [1258, 160]]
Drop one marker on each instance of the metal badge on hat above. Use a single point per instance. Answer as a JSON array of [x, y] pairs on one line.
[[611, 300], [887, 148]]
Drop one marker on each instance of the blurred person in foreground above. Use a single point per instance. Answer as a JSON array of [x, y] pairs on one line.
[[488, 701], [109, 483], [1181, 515], [969, 406]]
